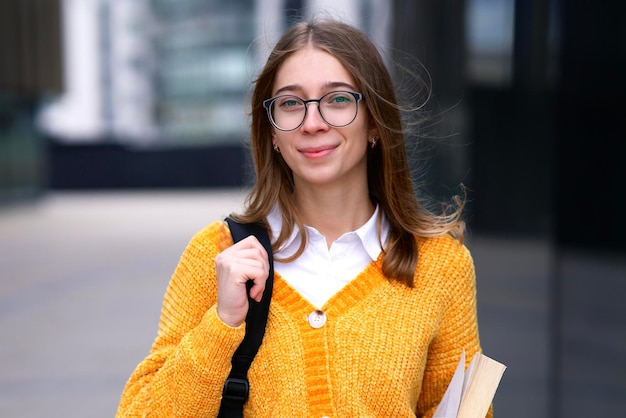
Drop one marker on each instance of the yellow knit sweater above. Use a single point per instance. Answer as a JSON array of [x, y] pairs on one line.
[[386, 350]]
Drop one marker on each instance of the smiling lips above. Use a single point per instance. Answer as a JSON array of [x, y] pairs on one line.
[[317, 152]]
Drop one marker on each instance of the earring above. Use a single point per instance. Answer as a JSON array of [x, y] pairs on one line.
[[276, 147], [374, 142]]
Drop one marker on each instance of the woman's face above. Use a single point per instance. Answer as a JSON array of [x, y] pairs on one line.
[[319, 154]]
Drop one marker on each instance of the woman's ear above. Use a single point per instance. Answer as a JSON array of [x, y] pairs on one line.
[[372, 128]]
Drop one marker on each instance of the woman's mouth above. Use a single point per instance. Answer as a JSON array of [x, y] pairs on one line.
[[317, 152]]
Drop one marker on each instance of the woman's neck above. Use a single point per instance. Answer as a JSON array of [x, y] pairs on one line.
[[334, 212]]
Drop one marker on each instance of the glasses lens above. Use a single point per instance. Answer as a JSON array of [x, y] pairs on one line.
[[287, 112], [338, 108]]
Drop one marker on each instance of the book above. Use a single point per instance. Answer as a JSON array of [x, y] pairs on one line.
[[471, 391]]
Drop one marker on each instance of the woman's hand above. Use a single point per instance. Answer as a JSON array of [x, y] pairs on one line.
[[243, 261]]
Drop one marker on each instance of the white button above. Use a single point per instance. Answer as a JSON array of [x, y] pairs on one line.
[[317, 319]]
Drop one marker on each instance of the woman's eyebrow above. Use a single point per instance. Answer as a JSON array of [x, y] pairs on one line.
[[291, 87], [327, 87], [338, 84]]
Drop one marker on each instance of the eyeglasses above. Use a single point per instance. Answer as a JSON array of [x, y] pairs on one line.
[[337, 108]]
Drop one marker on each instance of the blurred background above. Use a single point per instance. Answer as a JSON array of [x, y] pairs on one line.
[[123, 129]]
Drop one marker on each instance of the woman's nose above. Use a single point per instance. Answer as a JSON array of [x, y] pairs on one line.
[[313, 120]]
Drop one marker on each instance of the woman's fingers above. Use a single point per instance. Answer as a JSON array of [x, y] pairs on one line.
[[246, 260]]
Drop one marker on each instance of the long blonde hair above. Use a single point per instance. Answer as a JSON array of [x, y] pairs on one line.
[[389, 176]]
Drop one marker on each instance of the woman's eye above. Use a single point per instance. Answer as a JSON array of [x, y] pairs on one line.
[[339, 99], [290, 103]]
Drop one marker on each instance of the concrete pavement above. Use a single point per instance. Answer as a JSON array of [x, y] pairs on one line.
[[82, 277]]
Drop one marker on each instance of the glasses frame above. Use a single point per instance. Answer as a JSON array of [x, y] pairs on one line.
[[267, 104]]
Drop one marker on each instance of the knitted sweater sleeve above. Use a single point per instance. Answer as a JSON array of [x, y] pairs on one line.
[[458, 328], [190, 358]]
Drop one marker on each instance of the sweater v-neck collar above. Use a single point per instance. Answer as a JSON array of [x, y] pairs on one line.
[[347, 297]]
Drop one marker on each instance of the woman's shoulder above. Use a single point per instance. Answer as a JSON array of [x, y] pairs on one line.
[[214, 235], [443, 249], [444, 263]]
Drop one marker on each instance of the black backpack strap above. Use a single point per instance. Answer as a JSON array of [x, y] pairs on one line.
[[236, 388]]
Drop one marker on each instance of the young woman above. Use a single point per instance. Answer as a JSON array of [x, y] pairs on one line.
[[374, 296]]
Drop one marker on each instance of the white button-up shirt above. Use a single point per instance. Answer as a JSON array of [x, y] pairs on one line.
[[321, 272]]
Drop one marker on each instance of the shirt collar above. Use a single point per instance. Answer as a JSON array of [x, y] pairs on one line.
[[367, 233]]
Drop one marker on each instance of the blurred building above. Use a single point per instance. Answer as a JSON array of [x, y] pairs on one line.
[[30, 68], [153, 73]]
